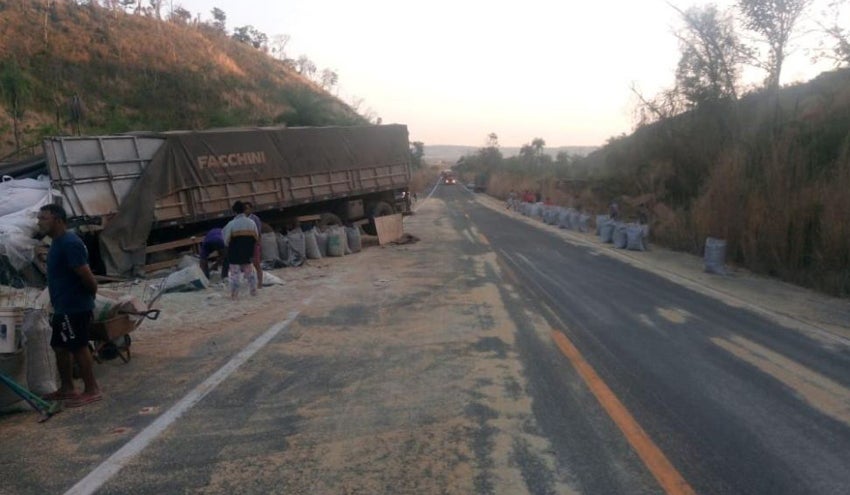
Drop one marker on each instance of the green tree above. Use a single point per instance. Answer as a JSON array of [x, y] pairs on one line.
[[837, 33], [250, 35], [538, 144], [180, 16], [278, 46], [15, 88], [305, 66], [773, 20], [219, 19], [417, 151], [329, 79], [711, 55], [563, 159]]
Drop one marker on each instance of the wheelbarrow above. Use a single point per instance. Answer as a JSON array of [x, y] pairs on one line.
[[111, 338]]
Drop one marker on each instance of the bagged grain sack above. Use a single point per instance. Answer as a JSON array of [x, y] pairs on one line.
[[297, 242], [341, 230], [620, 239], [600, 219], [335, 242], [583, 223], [271, 279], [269, 247], [282, 246], [635, 237], [606, 231], [104, 308], [311, 245], [564, 218], [42, 374], [187, 279], [352, 235], [574, 216], [715, 256], [322, 242]]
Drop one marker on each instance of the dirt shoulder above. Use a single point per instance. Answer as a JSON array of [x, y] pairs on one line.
[[400, 374], [823, 317]]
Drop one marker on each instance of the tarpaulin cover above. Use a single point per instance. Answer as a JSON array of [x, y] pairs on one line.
[[193, 159]]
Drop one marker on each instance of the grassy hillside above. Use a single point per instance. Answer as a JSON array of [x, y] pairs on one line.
[[769, 173], [133, 72]]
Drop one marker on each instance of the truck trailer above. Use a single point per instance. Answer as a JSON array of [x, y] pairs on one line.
[[130, 191]]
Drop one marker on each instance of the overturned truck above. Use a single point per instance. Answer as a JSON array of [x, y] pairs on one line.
[[131, 191]]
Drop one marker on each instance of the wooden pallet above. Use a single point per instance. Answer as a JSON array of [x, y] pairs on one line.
[[192, 243]]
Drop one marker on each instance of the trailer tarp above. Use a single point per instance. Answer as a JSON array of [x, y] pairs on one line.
[[194, 159]]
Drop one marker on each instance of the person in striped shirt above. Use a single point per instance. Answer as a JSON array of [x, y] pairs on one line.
[[241, 236]]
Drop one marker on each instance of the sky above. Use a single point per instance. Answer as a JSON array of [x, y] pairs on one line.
[[454, 71]]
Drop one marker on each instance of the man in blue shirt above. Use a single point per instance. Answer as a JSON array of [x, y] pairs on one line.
[[214, 243], [72, 289]]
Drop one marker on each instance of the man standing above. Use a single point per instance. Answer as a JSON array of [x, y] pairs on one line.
[[240, 236], [257, 259], [72, 289]]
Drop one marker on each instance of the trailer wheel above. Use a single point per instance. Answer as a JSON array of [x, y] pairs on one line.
[[380, 209], [326, 220]]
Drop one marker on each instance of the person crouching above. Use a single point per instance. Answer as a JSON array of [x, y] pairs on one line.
[[241, 235]]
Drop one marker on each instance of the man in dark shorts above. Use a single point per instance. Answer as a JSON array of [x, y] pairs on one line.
[[214, 243], [258, 255], [72, 289], [241, 235]]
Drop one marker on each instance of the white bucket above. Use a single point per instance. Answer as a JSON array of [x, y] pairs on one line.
[[11, 325]]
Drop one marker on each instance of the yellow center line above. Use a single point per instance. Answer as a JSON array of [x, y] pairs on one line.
[[668, 477]]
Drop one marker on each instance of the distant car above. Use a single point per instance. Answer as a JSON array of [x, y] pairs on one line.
[[449, 181], [470, 186]]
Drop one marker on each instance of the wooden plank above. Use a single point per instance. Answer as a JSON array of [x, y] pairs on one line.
[[389, 228], [308, 218], [161, 264], [165, 246]]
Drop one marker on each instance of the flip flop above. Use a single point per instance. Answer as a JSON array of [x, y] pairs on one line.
[[83, 399], [58, 395]]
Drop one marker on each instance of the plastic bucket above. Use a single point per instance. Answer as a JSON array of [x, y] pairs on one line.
[[11, 325]]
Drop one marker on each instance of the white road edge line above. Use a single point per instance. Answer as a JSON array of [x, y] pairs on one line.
[[110, 467], [428, 197]]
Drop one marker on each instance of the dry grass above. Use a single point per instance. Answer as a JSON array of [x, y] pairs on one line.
[[135, 72]]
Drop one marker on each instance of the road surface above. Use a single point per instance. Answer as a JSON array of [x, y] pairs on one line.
[[491, 357]]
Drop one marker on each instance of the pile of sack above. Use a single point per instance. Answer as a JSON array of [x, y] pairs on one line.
[[20, 201], [299, 245], [564, 218], [33, 363], [631, 236]]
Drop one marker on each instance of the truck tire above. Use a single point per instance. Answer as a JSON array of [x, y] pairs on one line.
[[379, 209], [326, 220]]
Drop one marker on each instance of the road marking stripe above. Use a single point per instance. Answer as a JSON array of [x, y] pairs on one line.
[[110, 467], [822, 393], [668, 477]]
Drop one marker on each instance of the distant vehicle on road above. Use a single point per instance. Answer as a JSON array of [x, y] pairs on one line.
[[448, 177]]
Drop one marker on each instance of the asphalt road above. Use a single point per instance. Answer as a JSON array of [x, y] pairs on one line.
[[493, 357], [736, 403]]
